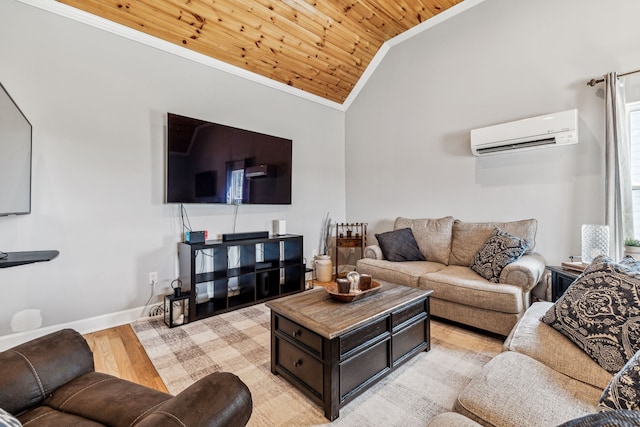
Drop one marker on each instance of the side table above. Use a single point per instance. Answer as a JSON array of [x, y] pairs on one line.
[[561, 279]]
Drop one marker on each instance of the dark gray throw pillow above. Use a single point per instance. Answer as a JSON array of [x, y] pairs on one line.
[[500, 250], [600, 312], [400, 245]]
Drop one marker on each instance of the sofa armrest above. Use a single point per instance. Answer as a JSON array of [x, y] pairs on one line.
[[526, 272], [31, 371], [217, 400], [374, 252]]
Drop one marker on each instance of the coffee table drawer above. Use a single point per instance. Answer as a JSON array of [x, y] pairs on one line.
[[363, 335], [408, 339], [401, 316], [300, 334], [361, 369], [300, 364]]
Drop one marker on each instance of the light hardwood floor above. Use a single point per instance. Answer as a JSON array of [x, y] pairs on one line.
[[118, 352]]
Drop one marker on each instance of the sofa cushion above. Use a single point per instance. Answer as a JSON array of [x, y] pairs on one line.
[[515, 390], [623, 392], [433, 236], [500, 250], [449, 419], [46, 416], [540, 341], [468, 237], [403, 273], [606, 419], [400, 245], [463, 286], [600, 314], [497, 322], [106, 399]]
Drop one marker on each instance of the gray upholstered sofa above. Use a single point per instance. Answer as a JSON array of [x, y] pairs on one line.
[[540, 379], [460, 294]]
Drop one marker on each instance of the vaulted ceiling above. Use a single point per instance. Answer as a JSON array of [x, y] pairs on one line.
[[321, 47]]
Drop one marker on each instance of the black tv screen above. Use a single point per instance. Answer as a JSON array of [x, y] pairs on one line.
[[15, 158], [213, 163]]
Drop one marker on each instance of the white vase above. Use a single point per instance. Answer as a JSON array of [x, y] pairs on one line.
[[324, 268]]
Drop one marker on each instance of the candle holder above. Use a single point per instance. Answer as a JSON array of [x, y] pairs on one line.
[[595, 241], [176, 308]]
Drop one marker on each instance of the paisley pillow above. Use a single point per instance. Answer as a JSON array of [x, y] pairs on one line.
[[623, 391], [600, 312], [500, 250], [606, 419]]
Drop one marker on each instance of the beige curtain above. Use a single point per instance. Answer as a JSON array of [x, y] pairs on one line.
[[619, 207]]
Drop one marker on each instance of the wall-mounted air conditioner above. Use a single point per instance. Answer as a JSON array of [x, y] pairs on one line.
[[550, 130], [260, 171]]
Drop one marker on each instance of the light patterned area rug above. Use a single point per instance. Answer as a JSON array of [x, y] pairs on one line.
[[240, 341]]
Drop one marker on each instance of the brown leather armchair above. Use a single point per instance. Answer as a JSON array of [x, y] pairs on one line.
[[50, 381]]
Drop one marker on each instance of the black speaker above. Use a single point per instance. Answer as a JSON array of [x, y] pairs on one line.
[[232, 237]]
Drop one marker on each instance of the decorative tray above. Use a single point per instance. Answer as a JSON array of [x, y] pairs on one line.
[[332, 290]]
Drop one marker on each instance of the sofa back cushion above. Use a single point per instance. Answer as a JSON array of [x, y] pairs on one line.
[[432, 235], [468, 237]]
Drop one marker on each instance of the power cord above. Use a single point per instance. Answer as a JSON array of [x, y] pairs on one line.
[[146, 304], [184, 217], [156, 310]]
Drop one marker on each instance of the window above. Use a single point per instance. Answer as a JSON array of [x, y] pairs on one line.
[[633, 110]]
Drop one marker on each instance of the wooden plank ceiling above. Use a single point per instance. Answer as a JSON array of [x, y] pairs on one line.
[[321, 47]]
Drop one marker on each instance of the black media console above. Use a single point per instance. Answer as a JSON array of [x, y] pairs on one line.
[[226, 275]]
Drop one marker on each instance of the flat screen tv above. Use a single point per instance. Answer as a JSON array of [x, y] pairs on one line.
[[15, 158], [213, 163]]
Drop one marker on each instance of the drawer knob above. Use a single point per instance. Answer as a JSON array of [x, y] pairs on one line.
[[297, 363], [297, 333]]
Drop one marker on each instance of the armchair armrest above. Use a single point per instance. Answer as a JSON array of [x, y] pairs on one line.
[[31, 371], [526, 272], [218, 400], [373, 251]]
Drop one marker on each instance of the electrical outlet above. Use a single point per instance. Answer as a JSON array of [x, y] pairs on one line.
[[352, 251], [153, 278]]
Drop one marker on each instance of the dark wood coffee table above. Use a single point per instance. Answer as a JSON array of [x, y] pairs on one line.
[[333, 351]]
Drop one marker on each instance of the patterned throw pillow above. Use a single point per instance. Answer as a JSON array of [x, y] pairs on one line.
[[399, 245], [500, 250], [600, 313], [623, 391], [606, 419]]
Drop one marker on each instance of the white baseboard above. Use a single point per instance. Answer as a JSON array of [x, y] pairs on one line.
[[83, 326]]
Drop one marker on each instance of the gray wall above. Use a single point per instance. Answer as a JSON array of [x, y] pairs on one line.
[[408, 130], [98, 105]]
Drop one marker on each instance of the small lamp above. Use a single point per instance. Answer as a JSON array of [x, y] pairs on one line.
[[595, 241]]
